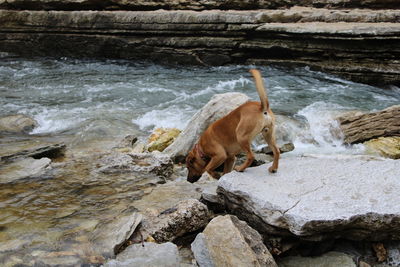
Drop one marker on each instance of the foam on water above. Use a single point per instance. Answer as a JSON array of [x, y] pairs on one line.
[[83, 96]]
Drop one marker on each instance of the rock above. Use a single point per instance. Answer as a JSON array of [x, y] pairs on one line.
[[283, 148], [35, 151], [155, 163], [23, 168], [317, 198], [17, 124], [330, 259], [351, 43], [191, 5], [138, 148], [187, 216], [219, 106], [109, 236], [172, 209], [360, 128], [227, 241], [150, 254], [161, 138], [386, 146], [127, 142]]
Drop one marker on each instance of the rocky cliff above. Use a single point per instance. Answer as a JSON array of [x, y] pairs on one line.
[[360, 43]]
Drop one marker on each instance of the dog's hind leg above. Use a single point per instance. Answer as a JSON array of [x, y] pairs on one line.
[[245, 145], [228, 165], [269, 137]]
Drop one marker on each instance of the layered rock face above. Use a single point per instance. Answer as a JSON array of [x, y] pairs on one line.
[[359, 44]]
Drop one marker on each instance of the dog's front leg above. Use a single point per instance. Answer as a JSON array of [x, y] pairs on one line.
[[228, 165], [215, 161], [269, 136]]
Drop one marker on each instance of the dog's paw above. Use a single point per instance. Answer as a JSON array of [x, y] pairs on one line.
[[238, 169], [272, 170]]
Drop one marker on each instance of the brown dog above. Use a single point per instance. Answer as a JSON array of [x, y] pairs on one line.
[[230, 135]]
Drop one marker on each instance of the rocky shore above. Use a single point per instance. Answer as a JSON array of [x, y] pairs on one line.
[[357, 40], [131, 207]]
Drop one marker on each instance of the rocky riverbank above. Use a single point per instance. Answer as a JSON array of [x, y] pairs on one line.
[[354, 39], [119, 207]]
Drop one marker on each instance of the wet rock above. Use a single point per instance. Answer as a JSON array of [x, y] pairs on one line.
[[155, 163], [386, 146], [219, 106], [109, 236], [150, 254], [161, 138], [227, 241], [34, 150], [317, 198], [360, 128], [185, 217], [17, 124], [331, 259], [127, 142], [23, 168]]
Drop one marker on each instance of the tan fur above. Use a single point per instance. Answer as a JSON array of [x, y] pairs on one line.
[[232, 134]]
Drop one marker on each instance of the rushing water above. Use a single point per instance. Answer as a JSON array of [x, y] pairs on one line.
[[99, 99], [91, 100]]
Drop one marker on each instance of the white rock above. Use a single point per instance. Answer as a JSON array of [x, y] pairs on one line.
[[313, 198], [219, 106]]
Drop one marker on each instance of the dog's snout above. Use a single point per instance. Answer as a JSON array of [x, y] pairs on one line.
[[193, 178]]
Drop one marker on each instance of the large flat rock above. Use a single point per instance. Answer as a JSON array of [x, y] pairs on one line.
[[314, 198]]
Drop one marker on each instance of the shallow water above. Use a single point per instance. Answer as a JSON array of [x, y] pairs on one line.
[[91, 101]]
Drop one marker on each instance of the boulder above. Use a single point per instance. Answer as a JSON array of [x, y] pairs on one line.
[[161, 138], [145, 163], [172, 209], [227, 241], [315, 198], [219, 106], [187, 216], [360, 128], [330, 259], [146, 255], [17, 124], [386, 146]]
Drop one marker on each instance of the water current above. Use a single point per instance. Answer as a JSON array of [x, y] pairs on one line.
[[108, 98], [55, 215]]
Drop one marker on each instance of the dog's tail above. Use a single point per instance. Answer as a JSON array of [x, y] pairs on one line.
[[260, 89]]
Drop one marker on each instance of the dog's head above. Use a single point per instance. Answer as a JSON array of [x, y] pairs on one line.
[[195, 165]]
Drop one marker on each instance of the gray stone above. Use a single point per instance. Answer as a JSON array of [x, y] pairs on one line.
[[227, 241], [316, 198], [331, 259], [148, 255], [219, 106], [34, 150], [155, 163], [109, 236], [17, 124], [187, 216], [23, 168]]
